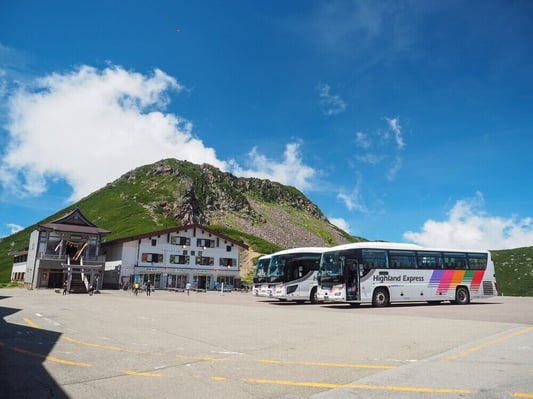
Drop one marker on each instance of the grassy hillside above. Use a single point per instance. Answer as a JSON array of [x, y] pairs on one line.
[[514, 271]]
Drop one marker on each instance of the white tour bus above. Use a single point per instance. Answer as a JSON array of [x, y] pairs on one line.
[[380, 273], [292, 273], [260, 276]]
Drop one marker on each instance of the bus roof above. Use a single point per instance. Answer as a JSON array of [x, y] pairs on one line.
[[398, 245], [317, 250]]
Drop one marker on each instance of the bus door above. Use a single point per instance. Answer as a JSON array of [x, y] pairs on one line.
[[352, 280]]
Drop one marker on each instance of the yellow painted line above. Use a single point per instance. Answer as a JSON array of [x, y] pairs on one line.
[[311, 384], [522, 395], [76, 341], [218, 378], [51, 358], [89, 344], [347, 365], [141, 374], [115, 348], [204, 358], [326, 364], [31, 323], [487, 344], [269, 361]]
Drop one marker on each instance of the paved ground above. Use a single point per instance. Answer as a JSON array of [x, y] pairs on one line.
[[207, 345]]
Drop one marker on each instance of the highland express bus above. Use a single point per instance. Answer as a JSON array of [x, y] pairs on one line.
[[260, 276], [381, 273], [293, 272]]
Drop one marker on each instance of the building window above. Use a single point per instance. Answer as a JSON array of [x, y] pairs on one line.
[[205, 261], [152, 258], [180, 259], [205, 243], [228, 262], [154, 242], [178, 240]]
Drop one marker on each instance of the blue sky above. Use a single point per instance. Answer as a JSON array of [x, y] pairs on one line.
[[406, 121]]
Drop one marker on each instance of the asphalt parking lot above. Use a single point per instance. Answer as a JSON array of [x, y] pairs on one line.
[[207, 345]]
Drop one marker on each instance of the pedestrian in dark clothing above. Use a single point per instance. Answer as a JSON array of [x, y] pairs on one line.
[[148, 288], [65, 286]]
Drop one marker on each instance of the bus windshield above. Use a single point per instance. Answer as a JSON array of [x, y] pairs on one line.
[[331, 267], [289, 267], [261, 270], [276, 268]]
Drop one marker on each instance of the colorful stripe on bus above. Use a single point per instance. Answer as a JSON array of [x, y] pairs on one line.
[[445, 280]]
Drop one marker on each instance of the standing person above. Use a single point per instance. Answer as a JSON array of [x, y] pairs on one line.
[[148, 287], [65, 286], [136, 288], [188, 288]]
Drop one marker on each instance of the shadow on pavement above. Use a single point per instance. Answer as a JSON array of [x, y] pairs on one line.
[[22, 353]]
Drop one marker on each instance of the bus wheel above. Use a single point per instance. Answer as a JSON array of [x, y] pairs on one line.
[[313, 297], [462, 297], [380, 298]]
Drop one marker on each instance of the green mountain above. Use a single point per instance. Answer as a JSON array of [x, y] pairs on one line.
[[266, 215]]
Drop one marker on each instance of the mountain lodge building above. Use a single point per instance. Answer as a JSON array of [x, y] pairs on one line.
[[66, 249]]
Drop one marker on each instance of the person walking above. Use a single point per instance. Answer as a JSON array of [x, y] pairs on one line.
[[188, 288], [65, 287], [148, 288], [136, 288]]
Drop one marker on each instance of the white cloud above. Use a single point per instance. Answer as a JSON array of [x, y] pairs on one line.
[[362, 140], [341, 224], [352, 200], [370, 158], [89, 126], [391, 173], [14, 228], [329, 103], [394, 124], [382, 147], [291, 170], [468, 226]]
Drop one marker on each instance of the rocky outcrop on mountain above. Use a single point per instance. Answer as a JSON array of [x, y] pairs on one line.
[[189, 193]]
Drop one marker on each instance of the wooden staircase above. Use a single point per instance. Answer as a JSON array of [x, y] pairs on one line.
[[77, 286]]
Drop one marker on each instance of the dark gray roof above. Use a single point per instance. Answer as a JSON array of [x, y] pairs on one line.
[[74, 222]]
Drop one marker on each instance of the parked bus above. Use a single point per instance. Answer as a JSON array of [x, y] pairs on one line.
[[293, 272], [260, 276], [380, 273]]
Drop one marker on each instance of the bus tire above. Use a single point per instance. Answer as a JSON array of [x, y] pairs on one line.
[[462, 296], [313, 297], [380, 298]]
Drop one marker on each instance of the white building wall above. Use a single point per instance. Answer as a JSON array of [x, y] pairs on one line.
[[129, 257], [19, 267], [159, 260], [31, 263]]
